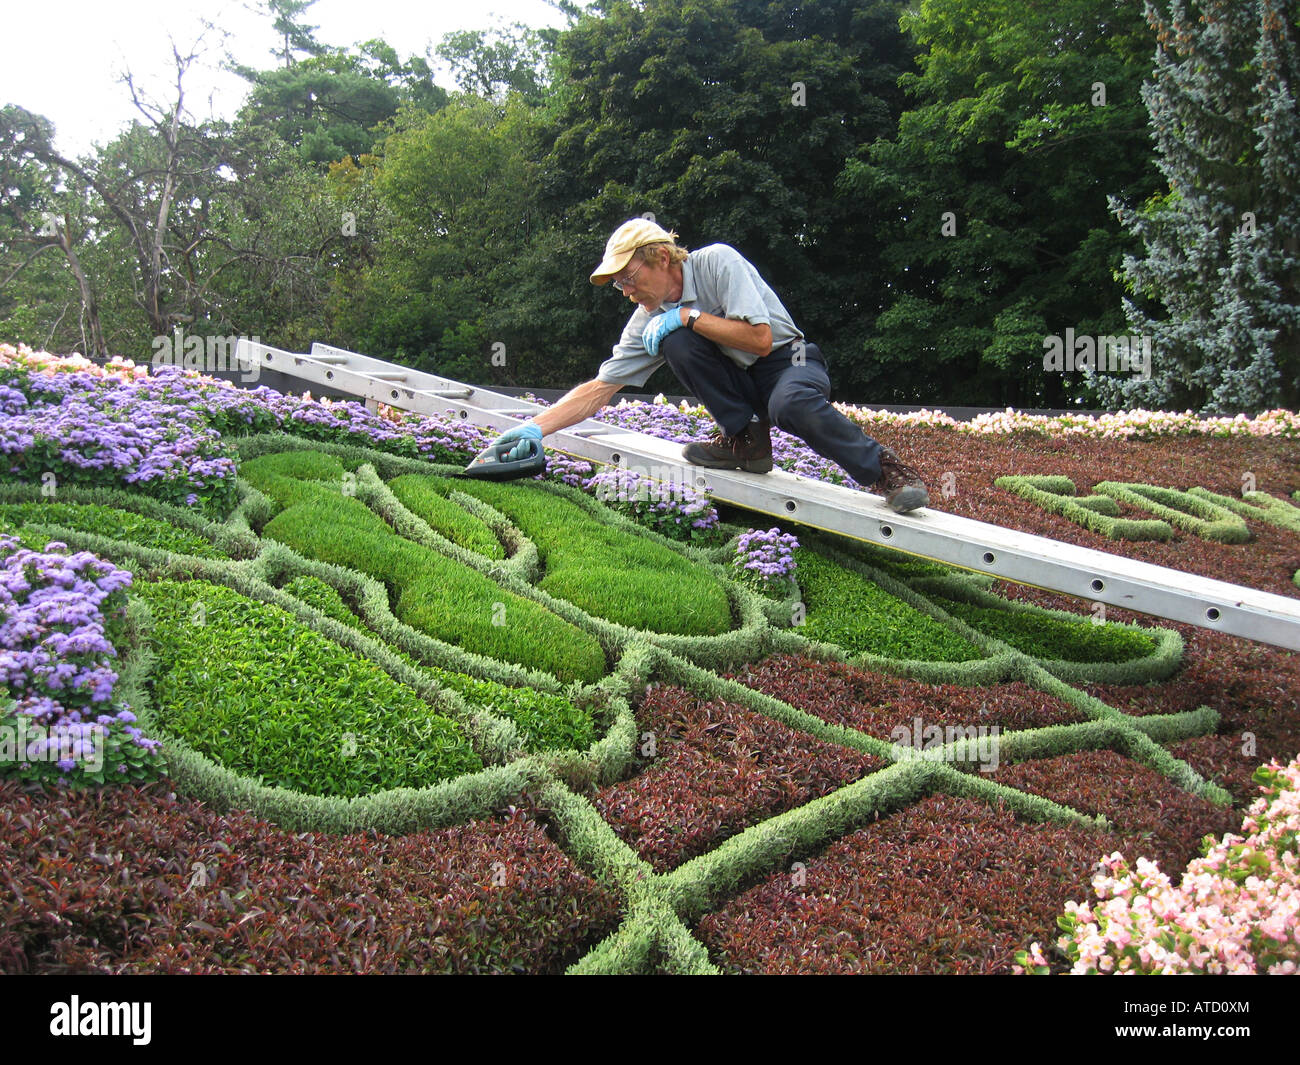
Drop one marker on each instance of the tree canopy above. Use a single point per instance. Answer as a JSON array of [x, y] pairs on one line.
[[939, 191]]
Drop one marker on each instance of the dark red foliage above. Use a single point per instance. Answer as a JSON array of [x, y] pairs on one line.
[[1220, 760], [1154, 818], [876, 703], [1217, 464], [719, 768], [1255, 689], [111, 882], [947, 885]]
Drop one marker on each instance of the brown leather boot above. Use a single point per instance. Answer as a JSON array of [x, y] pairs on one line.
[[749, 450], [901, 485]]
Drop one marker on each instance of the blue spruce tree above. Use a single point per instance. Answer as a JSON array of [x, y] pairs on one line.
[[1218, 292]]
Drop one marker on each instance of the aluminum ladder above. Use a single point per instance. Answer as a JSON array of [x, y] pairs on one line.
[[956, 541]]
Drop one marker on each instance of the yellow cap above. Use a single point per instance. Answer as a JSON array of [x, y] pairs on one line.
[[632, 234]]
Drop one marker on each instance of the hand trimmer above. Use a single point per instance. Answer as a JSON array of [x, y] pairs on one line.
[[493, 465]]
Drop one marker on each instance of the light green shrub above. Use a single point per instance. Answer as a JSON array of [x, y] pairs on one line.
[[250, 686], [604, 571], [845, 608]]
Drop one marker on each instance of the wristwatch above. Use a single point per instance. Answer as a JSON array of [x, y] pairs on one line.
[[691, 316]]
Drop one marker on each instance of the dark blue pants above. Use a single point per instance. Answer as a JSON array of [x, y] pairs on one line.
[[793, 393]]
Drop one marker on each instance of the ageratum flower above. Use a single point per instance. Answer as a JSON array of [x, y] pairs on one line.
[[55, 695], [662, 506], [765, 556], [55, 656]]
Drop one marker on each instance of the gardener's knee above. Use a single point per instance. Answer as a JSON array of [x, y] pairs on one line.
[[793, 407]]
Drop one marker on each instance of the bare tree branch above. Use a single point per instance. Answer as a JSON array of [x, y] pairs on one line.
[[23, 266]]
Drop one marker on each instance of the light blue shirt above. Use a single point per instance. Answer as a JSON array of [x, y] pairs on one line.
[[719, 281]]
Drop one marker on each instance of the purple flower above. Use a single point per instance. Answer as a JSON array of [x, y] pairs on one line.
[[765, 557], [55, 655]]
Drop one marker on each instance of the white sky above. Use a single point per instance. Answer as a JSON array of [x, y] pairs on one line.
[[64, 58]]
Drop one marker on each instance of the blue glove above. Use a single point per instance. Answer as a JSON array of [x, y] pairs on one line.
[[659, 327], [527, 431]]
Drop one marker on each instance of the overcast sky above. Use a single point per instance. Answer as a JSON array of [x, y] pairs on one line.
[[64, 58]]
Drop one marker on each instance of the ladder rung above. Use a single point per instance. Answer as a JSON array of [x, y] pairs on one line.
[[331, 360], [445, 393], [385, 376]]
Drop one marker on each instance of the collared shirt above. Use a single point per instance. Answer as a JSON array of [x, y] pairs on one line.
[[719, 281]]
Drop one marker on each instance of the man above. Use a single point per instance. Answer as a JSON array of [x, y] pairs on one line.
[[732, 343]]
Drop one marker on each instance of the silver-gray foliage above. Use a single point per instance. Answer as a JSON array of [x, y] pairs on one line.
[[1218, 291]]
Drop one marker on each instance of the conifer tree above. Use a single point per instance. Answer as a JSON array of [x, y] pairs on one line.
[[1218, 292]]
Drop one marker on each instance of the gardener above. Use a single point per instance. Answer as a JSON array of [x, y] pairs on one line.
[[732, 343]]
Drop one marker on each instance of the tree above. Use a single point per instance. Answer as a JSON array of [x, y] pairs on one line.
[[139, 198], [206, 228], [454, 191], [1218, 290], [992, 193], [41, 212], [262, 244], [324, 106], [295, 36], [729, 121], [492, 63], [330, 105]]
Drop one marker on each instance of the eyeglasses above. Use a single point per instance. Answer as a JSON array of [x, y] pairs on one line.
[[620, 285]]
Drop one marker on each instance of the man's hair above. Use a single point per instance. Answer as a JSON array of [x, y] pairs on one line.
[[650, 252]]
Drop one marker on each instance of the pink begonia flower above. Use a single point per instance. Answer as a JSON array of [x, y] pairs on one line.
[[1208, 922]]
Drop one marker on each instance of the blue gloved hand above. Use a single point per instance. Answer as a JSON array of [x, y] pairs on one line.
[[659, 327], [527, 431]]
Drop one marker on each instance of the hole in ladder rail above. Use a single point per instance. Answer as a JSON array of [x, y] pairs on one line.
[[886, 531], [464, 414], [1212, 614], [393, 393], [988, 558], [616, 457], [1097, 584], [790, 506], [329, 375]]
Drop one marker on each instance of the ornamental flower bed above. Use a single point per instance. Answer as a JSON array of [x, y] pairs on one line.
[[1236, 910], [410, 724], [58, 616], [65, 439], [947, 885], [877, 703], [711, 769], [1144, 807], [139, 880]]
